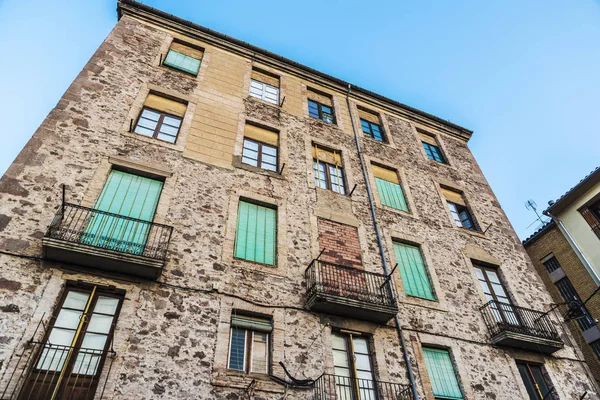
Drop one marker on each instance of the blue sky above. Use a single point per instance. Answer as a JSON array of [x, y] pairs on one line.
[[524, 75]]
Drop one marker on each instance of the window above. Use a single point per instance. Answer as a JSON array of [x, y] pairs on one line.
[[432, 149], [77, 341], [320, 106], [576, 307], [413, 271], [256, 234], [260, 147], [591, 214], [328, 171], [551, 264], [388, 187], [184, 57], [459, 210], [442, 375], [249, 344], [494, 290], [371, 125], [535, 382], [128, 202], [160, 118], [352, 366], [264, 86], [595, 346]]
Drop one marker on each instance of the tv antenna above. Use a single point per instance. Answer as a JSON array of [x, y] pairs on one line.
[[532, 206]]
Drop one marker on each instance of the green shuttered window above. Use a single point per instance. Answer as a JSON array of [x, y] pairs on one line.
[[256, 235], [413, 271], [391, 194], [441, 374]]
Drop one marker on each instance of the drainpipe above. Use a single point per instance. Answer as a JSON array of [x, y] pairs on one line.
[[411, 378], [576, 248]]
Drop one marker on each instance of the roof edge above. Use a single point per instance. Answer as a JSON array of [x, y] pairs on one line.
[[584, 185], [539, 233], [356, 89]]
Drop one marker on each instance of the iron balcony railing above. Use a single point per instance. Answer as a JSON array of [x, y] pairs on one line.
[[45, 371], [100, 229], [351, 283], [504, 317], [334, 387]]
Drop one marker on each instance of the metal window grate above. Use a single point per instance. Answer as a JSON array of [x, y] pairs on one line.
[[576, 306], [552, 264]]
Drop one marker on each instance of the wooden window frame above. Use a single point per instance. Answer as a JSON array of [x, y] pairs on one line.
[[259, 160], [320, 111], [459, 209], [248, 351], [158, 124], [370, 133], [349, 338], [328, 176], [263, 91], [540, 396]]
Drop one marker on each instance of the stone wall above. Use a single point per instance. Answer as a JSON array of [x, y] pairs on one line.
[[172, 336]]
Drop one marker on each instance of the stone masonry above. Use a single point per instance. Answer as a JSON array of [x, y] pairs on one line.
[[172, 337]]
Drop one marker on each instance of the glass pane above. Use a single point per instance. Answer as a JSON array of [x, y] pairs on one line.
[[249, 144], [360, 345], [106, 305], [269, 159], [68, 319], [270, 150], [363, 363], [259, 352], [61, 337], [250, 161], [93, 341], [76, 300], [269, 167], [100, 323], [87, 363], [166, 138], [151, 115], [340, 358], [144, 131], [237, 349], [169, 130], [52, 358], [172, 121], [338, 342]]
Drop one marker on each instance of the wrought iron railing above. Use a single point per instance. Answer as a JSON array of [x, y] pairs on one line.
[[350, 283], [504, 317], [76, 224], [46, 371], [334, 387]]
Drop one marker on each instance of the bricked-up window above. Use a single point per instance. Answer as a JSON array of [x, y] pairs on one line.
[[591, 214], [535, 381], [184, 57], [353, 366], [413, 271], [77, 342], [256, 233], [551, 264], [328, 170], [320, 106], [442, 374], [340, 242], [160, 118], [249, 344], [264, 86], [260, 147], [389, 188], [432, 148], [576, 306], [371, 125], [459, 209]]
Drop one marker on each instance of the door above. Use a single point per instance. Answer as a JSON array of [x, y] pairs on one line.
[[127, 206], [74, 350], [353, 367], [493, 289]]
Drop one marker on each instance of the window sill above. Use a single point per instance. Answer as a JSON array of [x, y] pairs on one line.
[[320, 123], [407, 214], [162, 143], [237, 163], [378, 142], [241, 380], [261, 101], [435, 305], [179, 71], [319, 189], [472, 233], [239, 261]]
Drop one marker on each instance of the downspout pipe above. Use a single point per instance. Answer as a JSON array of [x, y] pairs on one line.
[[411, 377]]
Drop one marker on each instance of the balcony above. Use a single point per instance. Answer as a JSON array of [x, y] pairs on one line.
[[350, 292], [519, 327], [333, 387], [44, 371], [110, 242]]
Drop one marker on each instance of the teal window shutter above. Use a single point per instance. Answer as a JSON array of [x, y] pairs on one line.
[[413, 271], [256, 233], [391, 194], [442, 374], [182, 62], [127, 195]]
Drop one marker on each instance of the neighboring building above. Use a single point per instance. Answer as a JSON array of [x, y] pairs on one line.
[[228, 212], [566, 254]]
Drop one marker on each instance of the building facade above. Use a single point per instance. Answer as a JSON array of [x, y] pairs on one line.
[[200, 218], [565, 254]]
